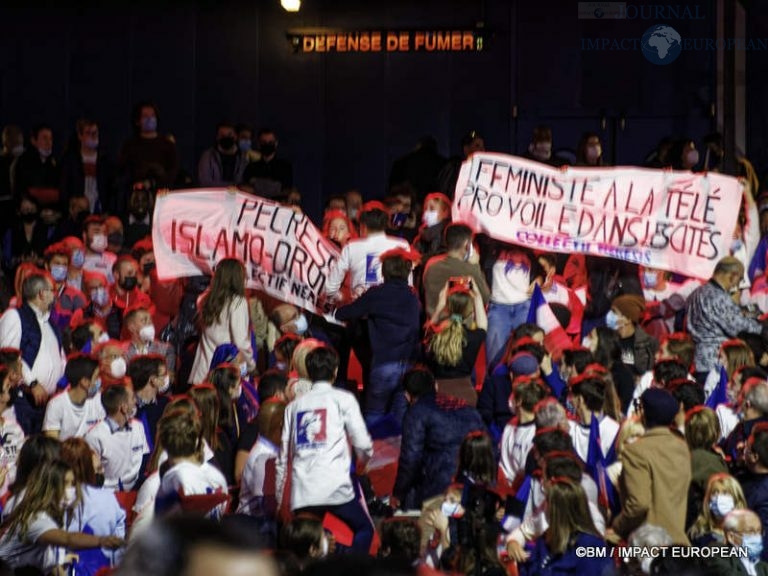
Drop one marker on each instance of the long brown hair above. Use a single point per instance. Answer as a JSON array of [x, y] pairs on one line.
[[228, 282], [567, 514], [207, 399]]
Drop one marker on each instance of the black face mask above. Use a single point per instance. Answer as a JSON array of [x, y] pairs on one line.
[[128, 283], [99, 480], [268, 149], [227, 143], [28, 217], [147, 268], [116, 239]]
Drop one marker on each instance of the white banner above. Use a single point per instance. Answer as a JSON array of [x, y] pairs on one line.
[[284, 254], [677, 221]]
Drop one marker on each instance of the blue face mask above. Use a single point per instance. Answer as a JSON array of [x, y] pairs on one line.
[[754, 545], [650, 279], [301, 324], [611, 320], [149, 124], [736, 245], [78, 258], [95, 387], [244, 145], [59, 272]]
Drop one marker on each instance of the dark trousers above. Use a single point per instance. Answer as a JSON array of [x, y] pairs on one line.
[[353, 515], [29, 416]]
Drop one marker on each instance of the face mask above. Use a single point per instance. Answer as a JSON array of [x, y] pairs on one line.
[[353, 213], [149, 124], [268, 149], [70, 495], [587, 343], [645, 565], [17, 150], [128, 283], [754, 545], [226, 143], [650, 279], [116, 239], [133, 412], [166, 385], [736, 245], [45, 152], [99, 480], [238, 392], [100, 296], [243, 370], [95, 387], [147, 268], [244, 145], [117, 367], [324, 547], [59, 272], [542, 150], [470, 252], [721, 504], [450, 509], [103, 337], [28, 217], [147, 333], [78, 258], [430, 218], [91, 143], [281, 366], [593, 153], [301, 324], [692, 157], [99, 243], [612, 320]]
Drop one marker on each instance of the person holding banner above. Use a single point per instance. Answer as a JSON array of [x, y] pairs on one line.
[[225, 318]]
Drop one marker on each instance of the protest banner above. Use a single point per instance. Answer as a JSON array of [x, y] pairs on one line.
[[676, 221], [284, 254]]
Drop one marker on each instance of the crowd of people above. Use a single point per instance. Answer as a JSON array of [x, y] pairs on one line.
[[198, 425]]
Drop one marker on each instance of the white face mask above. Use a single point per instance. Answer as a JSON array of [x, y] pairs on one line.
[[238, 391], [449, 509], [99, 243], [104, 337], [243, 370], [301, 324], [645, 565], [430, 218], [147, 333], [70, 495], [117, 368], [470, 252], [166, 385], [324, 547]]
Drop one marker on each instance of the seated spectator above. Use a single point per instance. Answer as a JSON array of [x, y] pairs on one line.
[[305, 538], [76, 250], [139, 222], [723, 495], [742, 528], [226, 379], [115, 235], [119, 439], [400, 541], [112, 364], [74, 411], [270, 167], [125, 292], [10, 431], [67, 299], [151, 384], [72, 225], [100, 307], [456, 332], [185, 473], [137, 321], [433, 430]]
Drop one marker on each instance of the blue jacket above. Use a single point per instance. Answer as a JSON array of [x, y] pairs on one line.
[[543, 563], [756, 492], [433, 430], [493, 402]]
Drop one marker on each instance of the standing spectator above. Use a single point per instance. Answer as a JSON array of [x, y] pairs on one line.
[[637, 348], [139, 222], [245, 142], [67, 298], [318, 430], [224, 163], [394, 334], [713, 316], [147, 154], [540, 148], [36, 172], [225, 318], [436, 216], [76, 250], [419, 168], [138, 322], [433, 430], [30, 329], [74, 411], [85, 171], [119, 439], [446, 180], [589, 152], [269, 167], [656, 472], [26, 240]]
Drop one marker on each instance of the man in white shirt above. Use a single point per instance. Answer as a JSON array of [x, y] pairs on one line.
[[318, 429], [119, 439], [30, 330], [74, 411]]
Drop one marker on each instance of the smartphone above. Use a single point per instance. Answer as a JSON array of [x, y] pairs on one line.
[[462, 281]]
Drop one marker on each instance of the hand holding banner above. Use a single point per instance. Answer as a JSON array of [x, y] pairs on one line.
[[677, 221], [284, 254]]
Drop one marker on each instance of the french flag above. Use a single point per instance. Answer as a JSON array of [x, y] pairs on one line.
[[719, 394], [555, 338], [596, 465]]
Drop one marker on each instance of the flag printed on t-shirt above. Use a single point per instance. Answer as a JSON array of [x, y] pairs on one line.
[[372, 267], [311, 428]]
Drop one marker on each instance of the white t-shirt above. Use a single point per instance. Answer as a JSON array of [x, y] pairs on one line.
[[144, 507], [511, 277], [192, 479], [71, 420], [516, 441], [11, 440], [609, 428], [121, 451], [17, 552], [254, 480]]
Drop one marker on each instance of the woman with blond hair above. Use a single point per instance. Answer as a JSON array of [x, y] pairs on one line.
[[455, 333], [723, 495], [224, 318], [301, 384]]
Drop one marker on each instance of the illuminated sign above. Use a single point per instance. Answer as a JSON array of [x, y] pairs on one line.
[[322, 40]]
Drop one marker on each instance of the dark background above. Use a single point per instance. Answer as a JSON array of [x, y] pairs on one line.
[[343, 118]]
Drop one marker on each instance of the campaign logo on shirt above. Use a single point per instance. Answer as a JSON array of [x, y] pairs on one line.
[[311, 428], [372, 267]]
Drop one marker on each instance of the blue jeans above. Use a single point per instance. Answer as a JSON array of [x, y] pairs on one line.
[[385, 394], [502, 319], [354, 516]]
